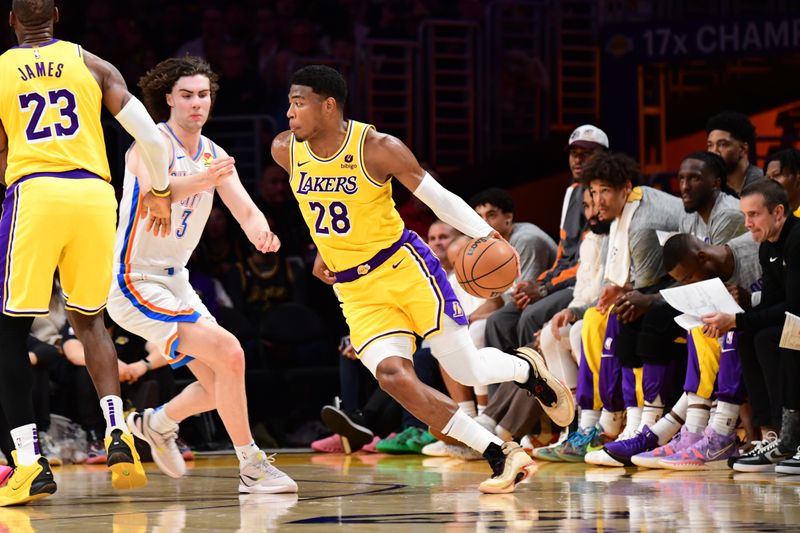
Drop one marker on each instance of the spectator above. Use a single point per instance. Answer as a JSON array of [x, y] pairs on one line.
[[732, 136]]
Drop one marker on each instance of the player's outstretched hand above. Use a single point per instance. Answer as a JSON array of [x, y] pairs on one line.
[[496, 235], [321, 271], [266, 241], [159, 211]]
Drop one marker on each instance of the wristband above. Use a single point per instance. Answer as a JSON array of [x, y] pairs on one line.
[[147, 364], [161, 194]]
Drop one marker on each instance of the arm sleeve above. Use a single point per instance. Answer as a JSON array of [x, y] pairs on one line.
[[451, 209], [136, 121]]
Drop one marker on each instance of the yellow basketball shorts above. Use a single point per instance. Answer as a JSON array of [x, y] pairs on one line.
[[407, 294], [65, 221]]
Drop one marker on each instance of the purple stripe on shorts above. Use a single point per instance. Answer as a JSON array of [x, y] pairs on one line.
[[653, 380], [584, 392], [452, 307], [7, 226], [692, 382]]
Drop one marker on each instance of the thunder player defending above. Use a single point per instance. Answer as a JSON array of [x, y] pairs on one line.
[[59, 211], [390, 284], [151, 295]]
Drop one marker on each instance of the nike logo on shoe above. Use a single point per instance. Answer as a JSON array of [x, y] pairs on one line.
[[773, 259], [716, 455]]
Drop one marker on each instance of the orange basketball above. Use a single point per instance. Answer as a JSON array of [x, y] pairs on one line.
[[486, 267]]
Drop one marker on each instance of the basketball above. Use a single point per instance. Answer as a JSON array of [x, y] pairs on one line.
[[486, 267]]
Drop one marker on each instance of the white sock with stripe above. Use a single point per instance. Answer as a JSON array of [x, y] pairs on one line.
[[26, 441], [113, 413]]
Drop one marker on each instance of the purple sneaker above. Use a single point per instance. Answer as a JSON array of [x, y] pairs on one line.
[[712, 451], [619, 452], [682, 440]]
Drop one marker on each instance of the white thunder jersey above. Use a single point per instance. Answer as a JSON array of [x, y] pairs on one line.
[[138, 250]]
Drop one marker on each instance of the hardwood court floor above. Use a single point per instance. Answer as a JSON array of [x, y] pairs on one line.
[[409, 494]]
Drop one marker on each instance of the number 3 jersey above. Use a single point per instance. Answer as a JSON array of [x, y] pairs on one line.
[[351, 215], [136, 247], [50, 109]]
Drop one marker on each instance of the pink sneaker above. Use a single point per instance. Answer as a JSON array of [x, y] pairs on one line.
[[5, 473], [710, 452], [371, 447], [332, 444], [682, 440]]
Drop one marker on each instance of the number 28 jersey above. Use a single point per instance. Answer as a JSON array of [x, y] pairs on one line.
[[50, 108], [351, 216]]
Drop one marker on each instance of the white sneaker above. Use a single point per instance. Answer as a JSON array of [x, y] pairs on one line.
[[259, 476], [165, 452], [435, 449], [463, 452]]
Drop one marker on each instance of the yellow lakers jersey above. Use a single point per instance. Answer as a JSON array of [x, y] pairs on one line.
[[351, 215], [50, 109]]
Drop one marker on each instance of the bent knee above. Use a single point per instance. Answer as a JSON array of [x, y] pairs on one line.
[[394, 377]]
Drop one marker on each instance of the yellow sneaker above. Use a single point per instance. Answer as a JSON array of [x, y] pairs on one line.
[[28, 483], [517, 466], [123, 460]]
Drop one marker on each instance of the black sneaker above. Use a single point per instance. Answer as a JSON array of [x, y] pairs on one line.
[[555, 397], [354, 436], [764, 460], [755, 450], [789, 466]]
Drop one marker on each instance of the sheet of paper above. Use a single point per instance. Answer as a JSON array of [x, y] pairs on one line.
[[790, 337], [688, 322], [663, 236], [701, 298]]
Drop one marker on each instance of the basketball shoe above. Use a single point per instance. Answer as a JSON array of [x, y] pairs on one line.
[[27, 483], [555, 397], [787, 466], [123, 461], [764, 460], [331, 444], [163, 446], [710, 452], [354, 436], [682, 440], [576, 448], [259, 476], [619, 452], [756, 448], [510, 465]]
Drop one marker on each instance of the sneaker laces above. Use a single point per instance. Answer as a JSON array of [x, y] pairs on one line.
[[760, 445], [263, 464]]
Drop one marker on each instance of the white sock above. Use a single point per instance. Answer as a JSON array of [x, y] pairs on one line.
[[522, 369], [504, 434], [697, 413], [113, 413], [464, 429], [725, 417], [485, 420], [633, 416], [651, 412], [610, 422], [588, 419], [26, 441], [469, 408], [160, 422], [246, 452], [671, 423], [481, 409]]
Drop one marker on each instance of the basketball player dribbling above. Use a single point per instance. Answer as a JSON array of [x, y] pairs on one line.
[[59, 212], [390, 284], [151, 295]]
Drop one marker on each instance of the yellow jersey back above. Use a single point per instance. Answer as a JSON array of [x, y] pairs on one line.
[[351, 215], [50, 108]]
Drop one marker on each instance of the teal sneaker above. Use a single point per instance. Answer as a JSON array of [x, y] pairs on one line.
[[398, 444], [552, 452], [420, 441], [575, 449]]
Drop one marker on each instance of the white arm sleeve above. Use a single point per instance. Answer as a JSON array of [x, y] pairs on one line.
[[451, 209], [136, 121]]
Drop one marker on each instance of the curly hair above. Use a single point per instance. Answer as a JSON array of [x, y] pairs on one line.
[[616, 169], [159, 81]]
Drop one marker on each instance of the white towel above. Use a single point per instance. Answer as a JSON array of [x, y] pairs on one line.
[[618, 261]]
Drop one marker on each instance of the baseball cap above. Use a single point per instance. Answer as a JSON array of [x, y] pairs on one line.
[[588, 136]]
